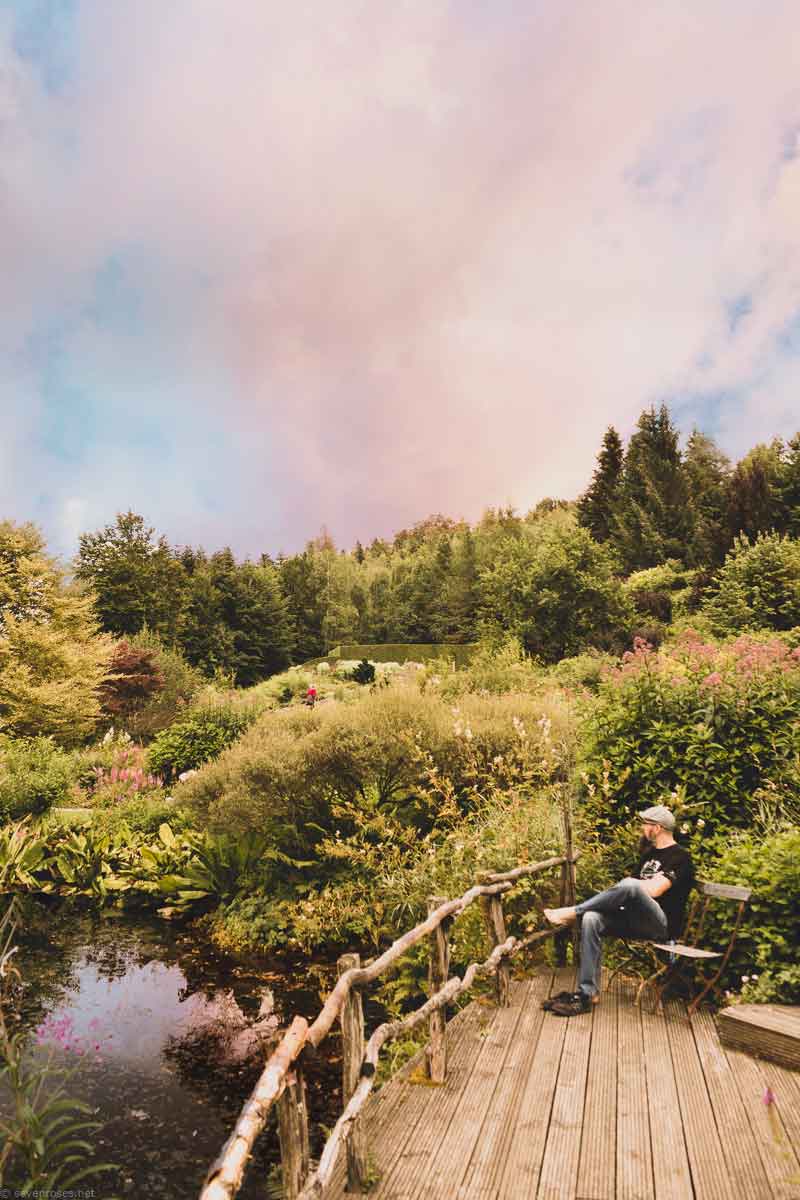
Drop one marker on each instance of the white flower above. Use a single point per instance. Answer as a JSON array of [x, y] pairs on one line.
[[468, 734], [745, 979], [701, 824]]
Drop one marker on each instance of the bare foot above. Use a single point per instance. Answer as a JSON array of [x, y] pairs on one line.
[[560, 916]]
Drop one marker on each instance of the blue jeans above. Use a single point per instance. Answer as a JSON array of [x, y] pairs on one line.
[[624, 910]]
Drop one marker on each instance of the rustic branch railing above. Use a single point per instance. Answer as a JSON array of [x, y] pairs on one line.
[[281, 1081]]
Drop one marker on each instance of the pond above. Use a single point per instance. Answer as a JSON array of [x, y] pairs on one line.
[[164, 1022]]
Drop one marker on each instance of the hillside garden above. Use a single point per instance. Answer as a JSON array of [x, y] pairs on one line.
[[642, 646]]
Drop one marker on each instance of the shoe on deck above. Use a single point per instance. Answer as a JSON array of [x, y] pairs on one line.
[[547, 1004], [571, 1005]]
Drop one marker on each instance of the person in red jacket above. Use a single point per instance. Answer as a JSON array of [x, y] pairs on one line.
[[311, 696]]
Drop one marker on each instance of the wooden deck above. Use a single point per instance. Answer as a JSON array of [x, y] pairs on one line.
[[614, 1104]]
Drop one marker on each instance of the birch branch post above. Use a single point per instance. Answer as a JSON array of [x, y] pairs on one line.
[[438, 967], [226, 1173], [352, 1022]]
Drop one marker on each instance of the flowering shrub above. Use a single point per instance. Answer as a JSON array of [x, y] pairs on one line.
[[700, 726], [126, 778]]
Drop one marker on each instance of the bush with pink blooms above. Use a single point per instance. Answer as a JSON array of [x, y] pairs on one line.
[[705, 727], [127, 777]]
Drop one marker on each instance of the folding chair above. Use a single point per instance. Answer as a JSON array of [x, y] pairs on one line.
[[682, 954]]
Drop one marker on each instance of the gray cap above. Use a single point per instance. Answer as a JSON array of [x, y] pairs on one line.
[[660, 815]]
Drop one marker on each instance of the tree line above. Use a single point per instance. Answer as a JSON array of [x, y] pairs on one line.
[[551, 576]]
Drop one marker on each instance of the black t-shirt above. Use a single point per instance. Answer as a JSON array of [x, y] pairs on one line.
[[674, 862]]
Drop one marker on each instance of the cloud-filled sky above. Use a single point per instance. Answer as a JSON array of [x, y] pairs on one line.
[[269, 266]]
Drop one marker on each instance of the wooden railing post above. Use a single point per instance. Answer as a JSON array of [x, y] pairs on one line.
[[352, 1021], [569, 879], [438, 968], [496, 932], [293, 1133]]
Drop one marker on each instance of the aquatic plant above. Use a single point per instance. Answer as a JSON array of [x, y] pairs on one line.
[[44, 1142]]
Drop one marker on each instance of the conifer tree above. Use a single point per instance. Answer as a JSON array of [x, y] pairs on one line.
[[707, 472], [755, 496], [462, 594], [136, 579], [652, 519], [790, 487], [596, 506]]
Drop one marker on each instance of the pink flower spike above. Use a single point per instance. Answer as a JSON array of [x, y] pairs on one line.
[[769, 1096]]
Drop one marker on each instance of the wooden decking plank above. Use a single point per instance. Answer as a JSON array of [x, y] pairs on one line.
[[499, 1128], [634, 1155], [742, 1162], [392, 1115], [777, 1155], [450, 1144], [559, 1173], [597, 1169], [671, 1173], [707, 1158], [520, 1175], [785, 1086]]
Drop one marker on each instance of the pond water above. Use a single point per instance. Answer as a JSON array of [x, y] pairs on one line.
[[146, 1001]]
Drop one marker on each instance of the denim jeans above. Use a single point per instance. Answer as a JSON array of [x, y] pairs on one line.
[[624, 910]]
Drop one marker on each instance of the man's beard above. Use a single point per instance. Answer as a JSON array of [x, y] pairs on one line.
[[644, 844]]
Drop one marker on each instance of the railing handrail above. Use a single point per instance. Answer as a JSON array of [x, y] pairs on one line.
[[226, 1173]]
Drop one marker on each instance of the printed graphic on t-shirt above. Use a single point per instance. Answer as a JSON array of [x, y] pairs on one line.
[[653, 867]]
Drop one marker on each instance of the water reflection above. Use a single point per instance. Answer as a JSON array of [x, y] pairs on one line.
[[175, 1039]]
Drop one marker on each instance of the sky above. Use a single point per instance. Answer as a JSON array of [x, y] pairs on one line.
[[266, 267]]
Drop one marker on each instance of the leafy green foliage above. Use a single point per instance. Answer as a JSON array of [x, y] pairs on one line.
[[136, 580], [765, 957], [35, 775], [555, 588], [758, 586], [364, 672], [52, 659], [198, 738]]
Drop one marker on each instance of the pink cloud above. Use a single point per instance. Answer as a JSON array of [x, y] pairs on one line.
[[440, 248]]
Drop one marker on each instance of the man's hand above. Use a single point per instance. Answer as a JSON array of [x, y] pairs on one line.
[[656, 885]]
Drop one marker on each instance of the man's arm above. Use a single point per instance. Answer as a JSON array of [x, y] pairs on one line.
[[656, 885]]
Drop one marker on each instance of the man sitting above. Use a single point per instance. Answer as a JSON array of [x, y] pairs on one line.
[[648, 906]]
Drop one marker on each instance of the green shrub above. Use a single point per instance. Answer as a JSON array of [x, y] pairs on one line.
[[35, 775], [699, 726], [197, 739], [582, 671], [285, 772], [402, 652], [765, 956], [364, 673], [758, 587], [144, 815], [557, 590], [498, 665]]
